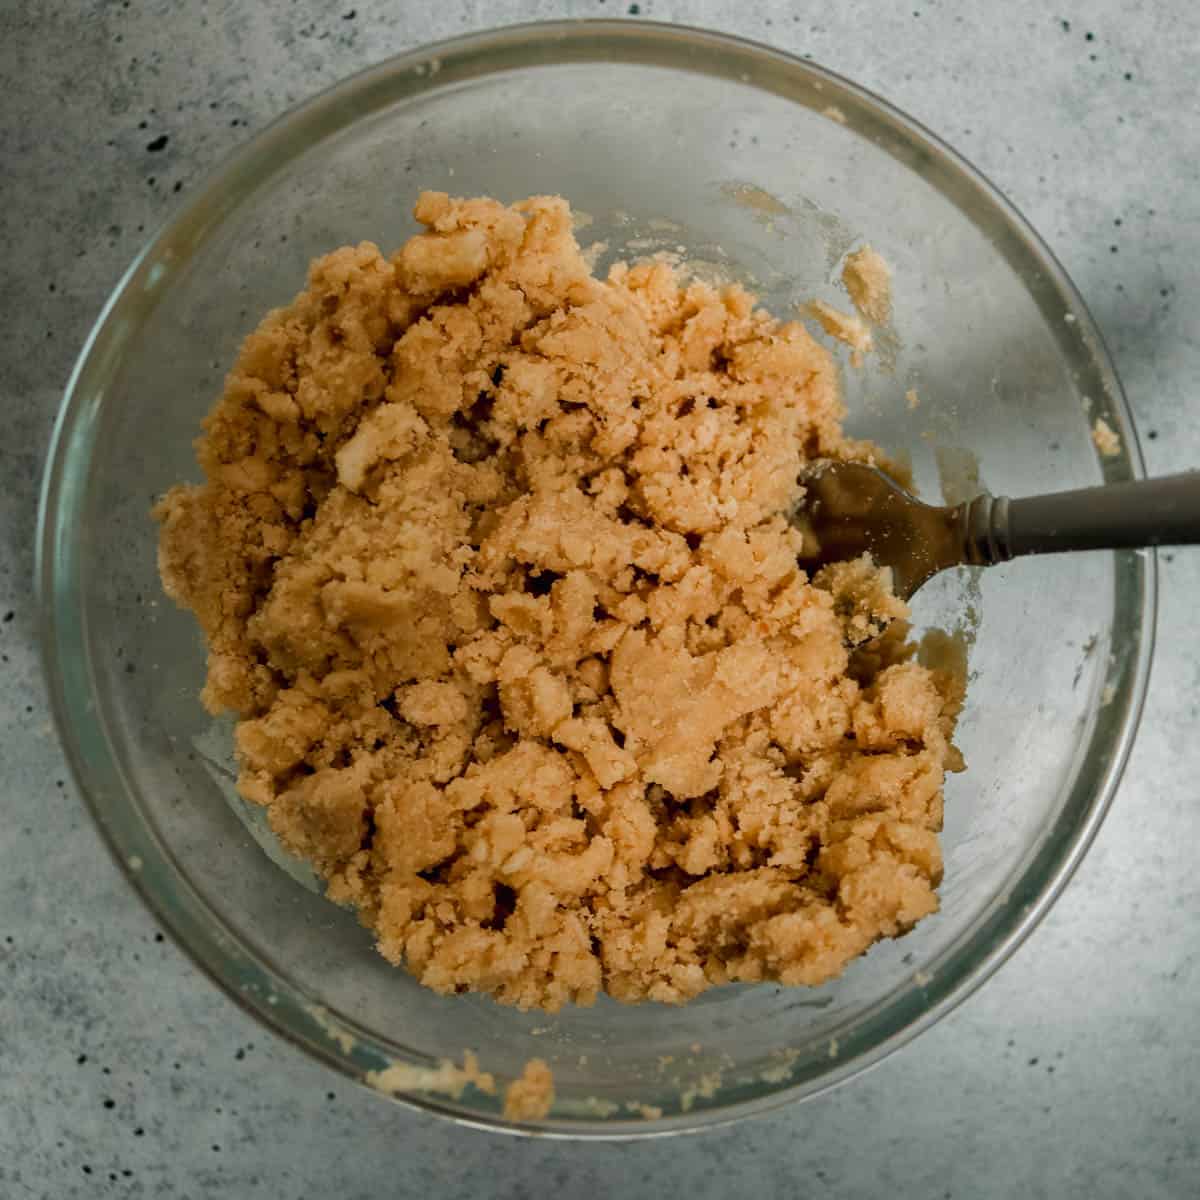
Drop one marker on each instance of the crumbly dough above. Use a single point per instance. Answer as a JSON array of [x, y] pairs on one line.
[[868, 279], [531, 1095], [846, 327], [1105, 438], [493, 566]]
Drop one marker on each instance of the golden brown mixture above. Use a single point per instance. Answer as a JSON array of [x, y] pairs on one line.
[[530, 1096], [868, 279], [493, 565]]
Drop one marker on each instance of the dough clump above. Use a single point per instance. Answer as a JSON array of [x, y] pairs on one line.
[[868, 279], [492, 561]]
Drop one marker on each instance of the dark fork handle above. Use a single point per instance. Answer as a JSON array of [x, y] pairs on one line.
[[1117, 516]]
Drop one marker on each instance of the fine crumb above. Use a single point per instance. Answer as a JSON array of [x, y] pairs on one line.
[[912, 398], [868, 279], [648, 1112], [530, 1097], [705, 1089], [846, 327], [593, 1106], [1105, 438], [834, 113], [833, 1047], [783, 1069], [324, 1018], [445, 1078], [493, 563], [746, 195]]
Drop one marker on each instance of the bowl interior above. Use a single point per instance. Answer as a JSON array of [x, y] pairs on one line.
[[762, 169]]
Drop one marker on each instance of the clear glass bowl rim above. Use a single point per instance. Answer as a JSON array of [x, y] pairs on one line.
[[149, 866]]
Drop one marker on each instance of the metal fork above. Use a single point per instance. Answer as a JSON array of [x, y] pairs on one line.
[[851, 508]]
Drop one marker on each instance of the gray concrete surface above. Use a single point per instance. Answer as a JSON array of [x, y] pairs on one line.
[[1072, 1074]]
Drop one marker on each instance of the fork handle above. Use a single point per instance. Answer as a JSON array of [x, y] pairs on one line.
[[1116, 516]]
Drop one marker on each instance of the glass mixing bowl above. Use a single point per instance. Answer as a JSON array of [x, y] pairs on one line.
[[767, 169]]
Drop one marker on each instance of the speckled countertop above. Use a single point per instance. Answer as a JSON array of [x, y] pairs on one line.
[[1074, 1073]]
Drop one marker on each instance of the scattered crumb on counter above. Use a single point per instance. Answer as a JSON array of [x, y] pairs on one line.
[[912, 398], [530, 1097], [1105, 438], [834, 113], [868, 279]]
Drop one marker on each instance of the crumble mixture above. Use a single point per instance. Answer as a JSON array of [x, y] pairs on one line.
[[868, 279], [847, 328], [531, 1095], [1105, 438], [528, 1097], [494, 568]]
